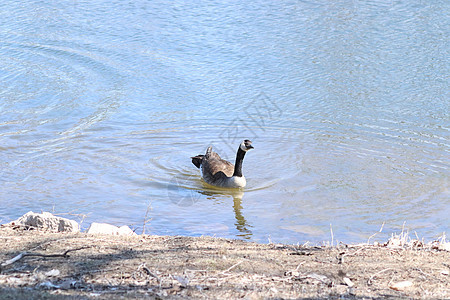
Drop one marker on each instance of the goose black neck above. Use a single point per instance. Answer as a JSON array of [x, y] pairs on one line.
[[238, 163]]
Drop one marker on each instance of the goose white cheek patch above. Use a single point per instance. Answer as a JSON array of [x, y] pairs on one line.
[[243, 148]]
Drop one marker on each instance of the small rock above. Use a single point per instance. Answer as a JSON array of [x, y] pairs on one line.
[[394, 242], [319, 277], [444, 246], [48, 285], [68, 284], [103, 228], [445, 272], [348, 282], [53, 272], [402, 285], [46, 221]]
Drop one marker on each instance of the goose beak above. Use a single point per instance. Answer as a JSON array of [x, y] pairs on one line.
[[250, 147]]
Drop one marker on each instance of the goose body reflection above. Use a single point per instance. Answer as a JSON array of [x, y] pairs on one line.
[[219, 195]]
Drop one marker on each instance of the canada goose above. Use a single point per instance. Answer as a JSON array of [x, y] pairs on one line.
[[219, 172]]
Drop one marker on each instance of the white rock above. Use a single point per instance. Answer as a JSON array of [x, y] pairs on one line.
[[103, 228], [52, 272], [348, 282], [46, 221], [68, 284], [394, 242], [444, 246], [402, 285], [319, 277], [125, 230], [48, 285]]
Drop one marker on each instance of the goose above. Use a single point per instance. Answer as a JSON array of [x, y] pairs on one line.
[[219, 172]]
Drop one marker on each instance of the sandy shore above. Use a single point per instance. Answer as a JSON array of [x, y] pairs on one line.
[[81, 266]]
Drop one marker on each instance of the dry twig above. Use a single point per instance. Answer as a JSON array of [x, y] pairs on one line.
[[146, 220], [373, 235], [232, 267], [25, 254], [150, 273]]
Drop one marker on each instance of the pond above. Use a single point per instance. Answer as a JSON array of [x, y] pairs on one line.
[[102, 104]]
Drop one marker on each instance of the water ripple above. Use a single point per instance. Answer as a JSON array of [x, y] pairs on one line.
[[103, 104]]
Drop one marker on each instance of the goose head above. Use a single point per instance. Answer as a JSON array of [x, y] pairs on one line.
[[246, 145]]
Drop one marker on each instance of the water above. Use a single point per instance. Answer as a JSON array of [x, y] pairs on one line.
[[103, 102]]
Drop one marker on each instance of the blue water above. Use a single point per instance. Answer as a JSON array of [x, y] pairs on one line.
[[102, 103]]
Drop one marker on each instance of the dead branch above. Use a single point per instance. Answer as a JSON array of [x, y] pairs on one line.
[[25, 254], [232, 267]]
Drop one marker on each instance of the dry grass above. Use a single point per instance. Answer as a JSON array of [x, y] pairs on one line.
[[107, 267]]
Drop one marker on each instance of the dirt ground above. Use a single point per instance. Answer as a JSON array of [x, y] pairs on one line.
[[81, 266]]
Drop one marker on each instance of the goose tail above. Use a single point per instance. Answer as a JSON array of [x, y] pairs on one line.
[[208, 152], [197, 160]]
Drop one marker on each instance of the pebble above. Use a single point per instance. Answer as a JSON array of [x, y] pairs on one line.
[[401, 285]]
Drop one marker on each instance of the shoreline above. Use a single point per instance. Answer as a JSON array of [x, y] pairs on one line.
[[99, 266]]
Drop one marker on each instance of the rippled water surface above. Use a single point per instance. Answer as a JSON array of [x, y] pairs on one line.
[[102, 103]]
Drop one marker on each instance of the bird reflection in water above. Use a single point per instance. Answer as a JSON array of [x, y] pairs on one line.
[[241, 223]]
